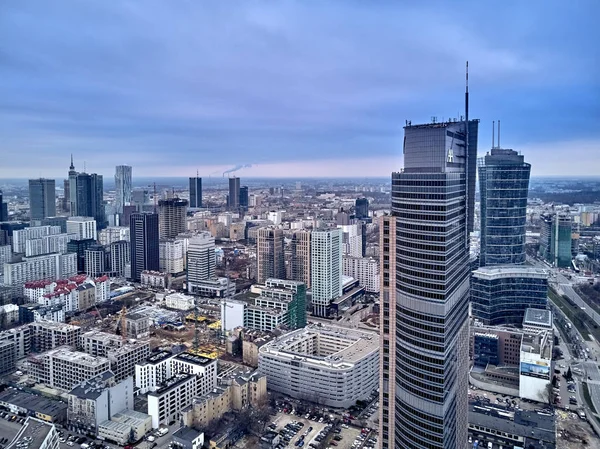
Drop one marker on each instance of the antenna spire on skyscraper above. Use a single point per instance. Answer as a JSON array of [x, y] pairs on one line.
[[72, 167]]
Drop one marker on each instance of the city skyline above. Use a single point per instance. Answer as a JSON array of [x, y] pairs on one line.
[[277, 93]]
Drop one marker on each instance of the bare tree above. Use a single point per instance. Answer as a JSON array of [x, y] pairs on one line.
[[547, 395]]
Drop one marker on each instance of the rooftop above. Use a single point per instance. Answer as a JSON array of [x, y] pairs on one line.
[[64, 353], [171, 383], [158, 357], [510, 271], [93, 388], [32, 435], [33, 402], [192, 358], [538, 317], [187, 434]]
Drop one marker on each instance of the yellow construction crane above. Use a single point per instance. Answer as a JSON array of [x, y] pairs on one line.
[[121, 323]]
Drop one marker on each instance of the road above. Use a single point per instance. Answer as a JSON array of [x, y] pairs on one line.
[[593, 381]]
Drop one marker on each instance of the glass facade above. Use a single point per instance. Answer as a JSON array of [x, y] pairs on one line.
[[123, 187], [555, 240], [42, 198], [144, 252], [504, 186], [500, 295], [432, 203], [195, 192], [485, 350]]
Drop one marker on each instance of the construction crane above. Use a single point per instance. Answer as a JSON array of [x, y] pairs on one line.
[[122, 324]]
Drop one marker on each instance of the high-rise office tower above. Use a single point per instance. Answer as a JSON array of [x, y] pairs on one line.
[[119, 257], [196, 192], [3, 209], [432, 203], [234, 193], [387, 359], [87, 196], [42, 198], [201, 258], [172, 217], [244, 198], [555, 239], [144, 252], [300, 257], [66, 199], [361, 208], [123, 187], [503, 187], [270, 258], [326, 268]]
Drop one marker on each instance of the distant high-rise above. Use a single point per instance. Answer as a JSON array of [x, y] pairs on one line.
[[123, 187], [361, 208], [352, 239], [326, 269], [66, 199], [42, 198], [300, 257], [87, 196], [172, 217], [201, 259], [270, 259], [555, 239], [234, 193], [143, 234], [244, 198], [503, 186], [3, 209], [432, 203], [196, 193]]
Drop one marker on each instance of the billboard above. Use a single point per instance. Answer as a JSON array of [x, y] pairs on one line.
[[541, 370]]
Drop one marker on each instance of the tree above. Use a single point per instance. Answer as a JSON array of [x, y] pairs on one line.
[[569, 375], [547, 395]]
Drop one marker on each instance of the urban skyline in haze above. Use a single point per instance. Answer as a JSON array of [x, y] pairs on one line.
[[276, 93]]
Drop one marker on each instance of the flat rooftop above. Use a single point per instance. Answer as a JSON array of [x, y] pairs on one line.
[[538, 317], [510, 271], [192, 358], [186, 434], [171, 383], [157, 357], [32, 435], [32, 402]]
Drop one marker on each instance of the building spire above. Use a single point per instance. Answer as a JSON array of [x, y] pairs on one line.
[[72, 167]]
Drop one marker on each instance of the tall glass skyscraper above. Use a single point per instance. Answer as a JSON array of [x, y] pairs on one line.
[[42, 198], [86, 193], [504, 186], [196, 193], [432, 204], [234, 193], [143, 235], [123, 187]]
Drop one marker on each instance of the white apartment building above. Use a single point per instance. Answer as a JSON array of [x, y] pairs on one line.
[[82, 228], [74, 293], [47, 244], [22, 236], [154, 279], [46, 267], [172, 256], [36, 433], [179, 301], [63, 368], [326, 268], [21, 337], [47, 335], [166, 403], [113, 234], [365, 270], [161, 366], [333, 366], [95, 258], [275, 217], [351, 240]]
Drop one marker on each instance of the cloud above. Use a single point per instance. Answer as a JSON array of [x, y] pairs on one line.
[[210, 84]]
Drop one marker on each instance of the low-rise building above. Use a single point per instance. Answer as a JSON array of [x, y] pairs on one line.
[[19, 402], [188, 438], [327, 364], [63, 368], [137, 325], [125, 427], [154, 279], [37, 434], [179, 301]]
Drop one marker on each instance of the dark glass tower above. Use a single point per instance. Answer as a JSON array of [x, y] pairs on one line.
[[361, 208], [42, 198], [3, 209], [87, 196], [196, 193], [234, 193], [432, 203], [143, 235], [503, 185], [244, 198]]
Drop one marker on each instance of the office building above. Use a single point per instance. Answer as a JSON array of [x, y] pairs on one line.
[[36, 433], [339, 365], [365, 270], [144, 252], [123, 187], [555, 239], [63, 368], [52, 221], [361, 208], [536, 369], [352, 239], [42, 198], [172, 256], [196, 192], [179, 301], [172, 217], [432, 203], [82, 228], [3, 209], [201, 259], [96, 400], [86, 193], [119, 257], [234, 194], [244, 200], [270, 259], [501, 294], [326, 269], [113, 234], [503, 187], [299, 248]]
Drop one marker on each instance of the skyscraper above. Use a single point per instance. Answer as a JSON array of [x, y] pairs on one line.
[[555, 239], [201, 259], [87, 196], [196, 193], [432, 203], [123, 187], [3, 209], [270, 259], [172, 217], [326, 268], [244, 198], [361, 208], [300, 257], [144, 253], [234, 193], [42, 198], [503, 187]]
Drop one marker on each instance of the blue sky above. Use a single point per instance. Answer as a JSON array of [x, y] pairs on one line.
[[292, 88]]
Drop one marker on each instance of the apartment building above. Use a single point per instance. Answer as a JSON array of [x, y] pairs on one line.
[[21, 337], [46, 335], [365, 270], [175, 394]]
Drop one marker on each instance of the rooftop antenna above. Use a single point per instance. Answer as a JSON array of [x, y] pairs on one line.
[[155, 197], [84, 167], [493, 134], [498, 133]]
